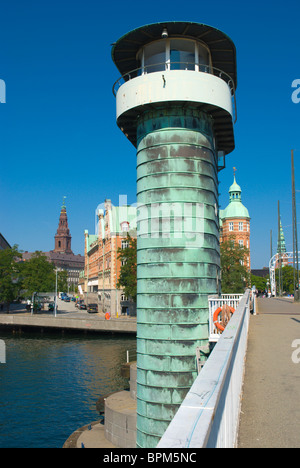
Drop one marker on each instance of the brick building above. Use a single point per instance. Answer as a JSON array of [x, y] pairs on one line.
[[235, 221], [63, 237], [102, 267]]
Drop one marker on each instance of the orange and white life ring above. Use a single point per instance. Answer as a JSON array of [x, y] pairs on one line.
[[107, 315], [216, 315]]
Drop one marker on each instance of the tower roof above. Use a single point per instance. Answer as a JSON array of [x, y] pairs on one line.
[[235, 209], [281, 248], [63, 237], [221, 47], [234, 187]]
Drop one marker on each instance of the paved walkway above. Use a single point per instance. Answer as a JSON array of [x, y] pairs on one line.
[[270, 415]]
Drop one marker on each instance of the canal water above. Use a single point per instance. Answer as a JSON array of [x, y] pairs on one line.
[[50, 384]]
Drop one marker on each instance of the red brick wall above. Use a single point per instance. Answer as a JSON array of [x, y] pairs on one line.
[[237, 234]]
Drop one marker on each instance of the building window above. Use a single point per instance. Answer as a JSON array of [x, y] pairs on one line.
[[231, 226], [174, 54], [155, 56], [182, 55], [124, 244], [241, 242], [240, 226], [125, 226]]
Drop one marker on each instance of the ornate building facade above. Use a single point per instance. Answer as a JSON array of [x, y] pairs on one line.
[[102, 265], [235, 221]]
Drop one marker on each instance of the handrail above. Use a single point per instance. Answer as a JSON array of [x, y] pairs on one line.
[[209, 414], [167, 66], [131, 355]]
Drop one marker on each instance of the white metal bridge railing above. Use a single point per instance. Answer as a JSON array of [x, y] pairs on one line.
[[209, 415]]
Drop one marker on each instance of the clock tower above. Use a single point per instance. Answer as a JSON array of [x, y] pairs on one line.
[[63, 237]]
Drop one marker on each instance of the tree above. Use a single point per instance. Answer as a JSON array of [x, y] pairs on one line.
[[235, 276], [128, 278], [10, 283], [287, 279], [62, 280], [259, 282], [38, 274]]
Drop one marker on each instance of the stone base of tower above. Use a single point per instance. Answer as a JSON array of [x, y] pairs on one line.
[[118, 428]]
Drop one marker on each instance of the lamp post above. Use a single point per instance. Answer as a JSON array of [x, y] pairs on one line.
[[55, 305], [32, 303], [295, 235]]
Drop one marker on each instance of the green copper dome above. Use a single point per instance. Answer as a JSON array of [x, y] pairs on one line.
[[235, 209]]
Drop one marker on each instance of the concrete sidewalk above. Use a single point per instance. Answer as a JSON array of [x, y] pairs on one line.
[[270, 415]]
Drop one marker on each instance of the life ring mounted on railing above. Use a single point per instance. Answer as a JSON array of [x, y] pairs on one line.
[[226, 310]]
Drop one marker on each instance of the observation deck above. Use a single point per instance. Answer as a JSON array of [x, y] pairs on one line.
[[187, 64]]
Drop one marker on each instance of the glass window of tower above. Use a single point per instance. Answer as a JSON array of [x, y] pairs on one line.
[[155, 56], [174, 54], [182, 54]]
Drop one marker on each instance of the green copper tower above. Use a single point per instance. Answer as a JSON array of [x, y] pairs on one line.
[[281, 248], [175, 102]]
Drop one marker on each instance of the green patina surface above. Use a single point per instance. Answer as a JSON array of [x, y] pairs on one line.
[[235, 209], [178, 259]]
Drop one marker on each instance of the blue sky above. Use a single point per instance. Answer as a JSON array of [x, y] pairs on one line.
[[58, 129]]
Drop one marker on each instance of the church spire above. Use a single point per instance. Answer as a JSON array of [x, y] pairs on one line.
[[281, 248], [63, 237], [234, 190]]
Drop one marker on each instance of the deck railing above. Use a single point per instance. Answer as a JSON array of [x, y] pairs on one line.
[[209, 415], [171, 65]]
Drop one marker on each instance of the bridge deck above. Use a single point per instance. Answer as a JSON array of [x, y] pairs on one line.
[[271, 398]]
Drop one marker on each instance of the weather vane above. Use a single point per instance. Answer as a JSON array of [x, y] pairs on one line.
[[234, 171]]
